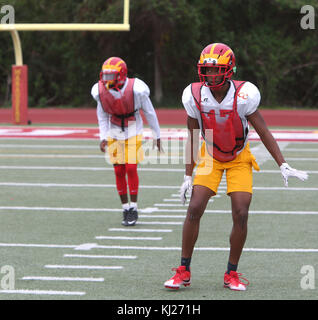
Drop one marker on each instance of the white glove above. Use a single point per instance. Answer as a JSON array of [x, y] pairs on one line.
[[186, 187], [287, 171]]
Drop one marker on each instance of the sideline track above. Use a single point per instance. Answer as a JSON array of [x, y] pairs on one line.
[[166, 116], [166, 133]]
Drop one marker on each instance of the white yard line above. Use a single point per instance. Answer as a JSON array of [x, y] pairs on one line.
[[63, 156], [287, 212], [44, 292], [55, 168], [96, 256], [83, 156], [67, 185], [63, 209], [301, 159], [168, 216], [292, 250], [159, 223], [284, 188], [300, 150], [85, 168], [151, 210], [138, 230], [63, 279], [53, 139], [128, 238], [58, 266], [229, 211], [46, 146], [35, 245], [278, 171], [178, 200], [85, 246]]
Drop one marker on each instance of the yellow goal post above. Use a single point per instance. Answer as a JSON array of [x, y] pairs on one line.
[[19, 71]]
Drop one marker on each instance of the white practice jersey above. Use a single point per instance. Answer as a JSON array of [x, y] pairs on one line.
[[247, 102], [141, 101]]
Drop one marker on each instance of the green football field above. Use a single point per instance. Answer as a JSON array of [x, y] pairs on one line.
[[61, 235]]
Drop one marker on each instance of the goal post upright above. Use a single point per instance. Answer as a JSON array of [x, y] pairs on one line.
[[19, 90]]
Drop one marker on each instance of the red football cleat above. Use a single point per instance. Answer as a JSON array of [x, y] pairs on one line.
[[233, 281], [182, 277]]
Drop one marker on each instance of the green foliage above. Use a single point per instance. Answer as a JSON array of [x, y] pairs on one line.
[[164, 43]]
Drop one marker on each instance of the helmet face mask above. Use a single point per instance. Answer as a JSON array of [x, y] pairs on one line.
[[113, 73], [216, 65], [109, 76], [214, 76]]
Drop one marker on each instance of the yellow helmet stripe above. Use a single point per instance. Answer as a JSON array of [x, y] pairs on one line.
[[212, 48], [225, 57], [227, 53], [110, 66], [118, 63], [109, 61]]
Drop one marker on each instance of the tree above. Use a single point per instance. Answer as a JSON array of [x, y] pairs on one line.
[[163, 46]]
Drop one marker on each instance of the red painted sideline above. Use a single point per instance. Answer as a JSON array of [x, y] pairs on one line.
[[300, 118]]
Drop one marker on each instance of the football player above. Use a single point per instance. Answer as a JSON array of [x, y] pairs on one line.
[[119, 101], [220, 108]]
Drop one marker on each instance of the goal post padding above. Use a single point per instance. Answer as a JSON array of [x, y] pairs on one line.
[[20, 94]]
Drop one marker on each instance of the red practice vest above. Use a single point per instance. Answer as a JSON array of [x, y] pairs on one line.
[[122, 110], [228, 136]]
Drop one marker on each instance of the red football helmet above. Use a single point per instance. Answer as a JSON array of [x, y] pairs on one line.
[[216, 65], [114, 72]]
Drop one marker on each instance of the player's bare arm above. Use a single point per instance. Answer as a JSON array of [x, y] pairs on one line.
[[192, 145]]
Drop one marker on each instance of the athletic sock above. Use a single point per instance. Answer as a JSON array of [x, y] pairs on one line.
[[133, 205], [231, 267], [125, 206], [186, 262]]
